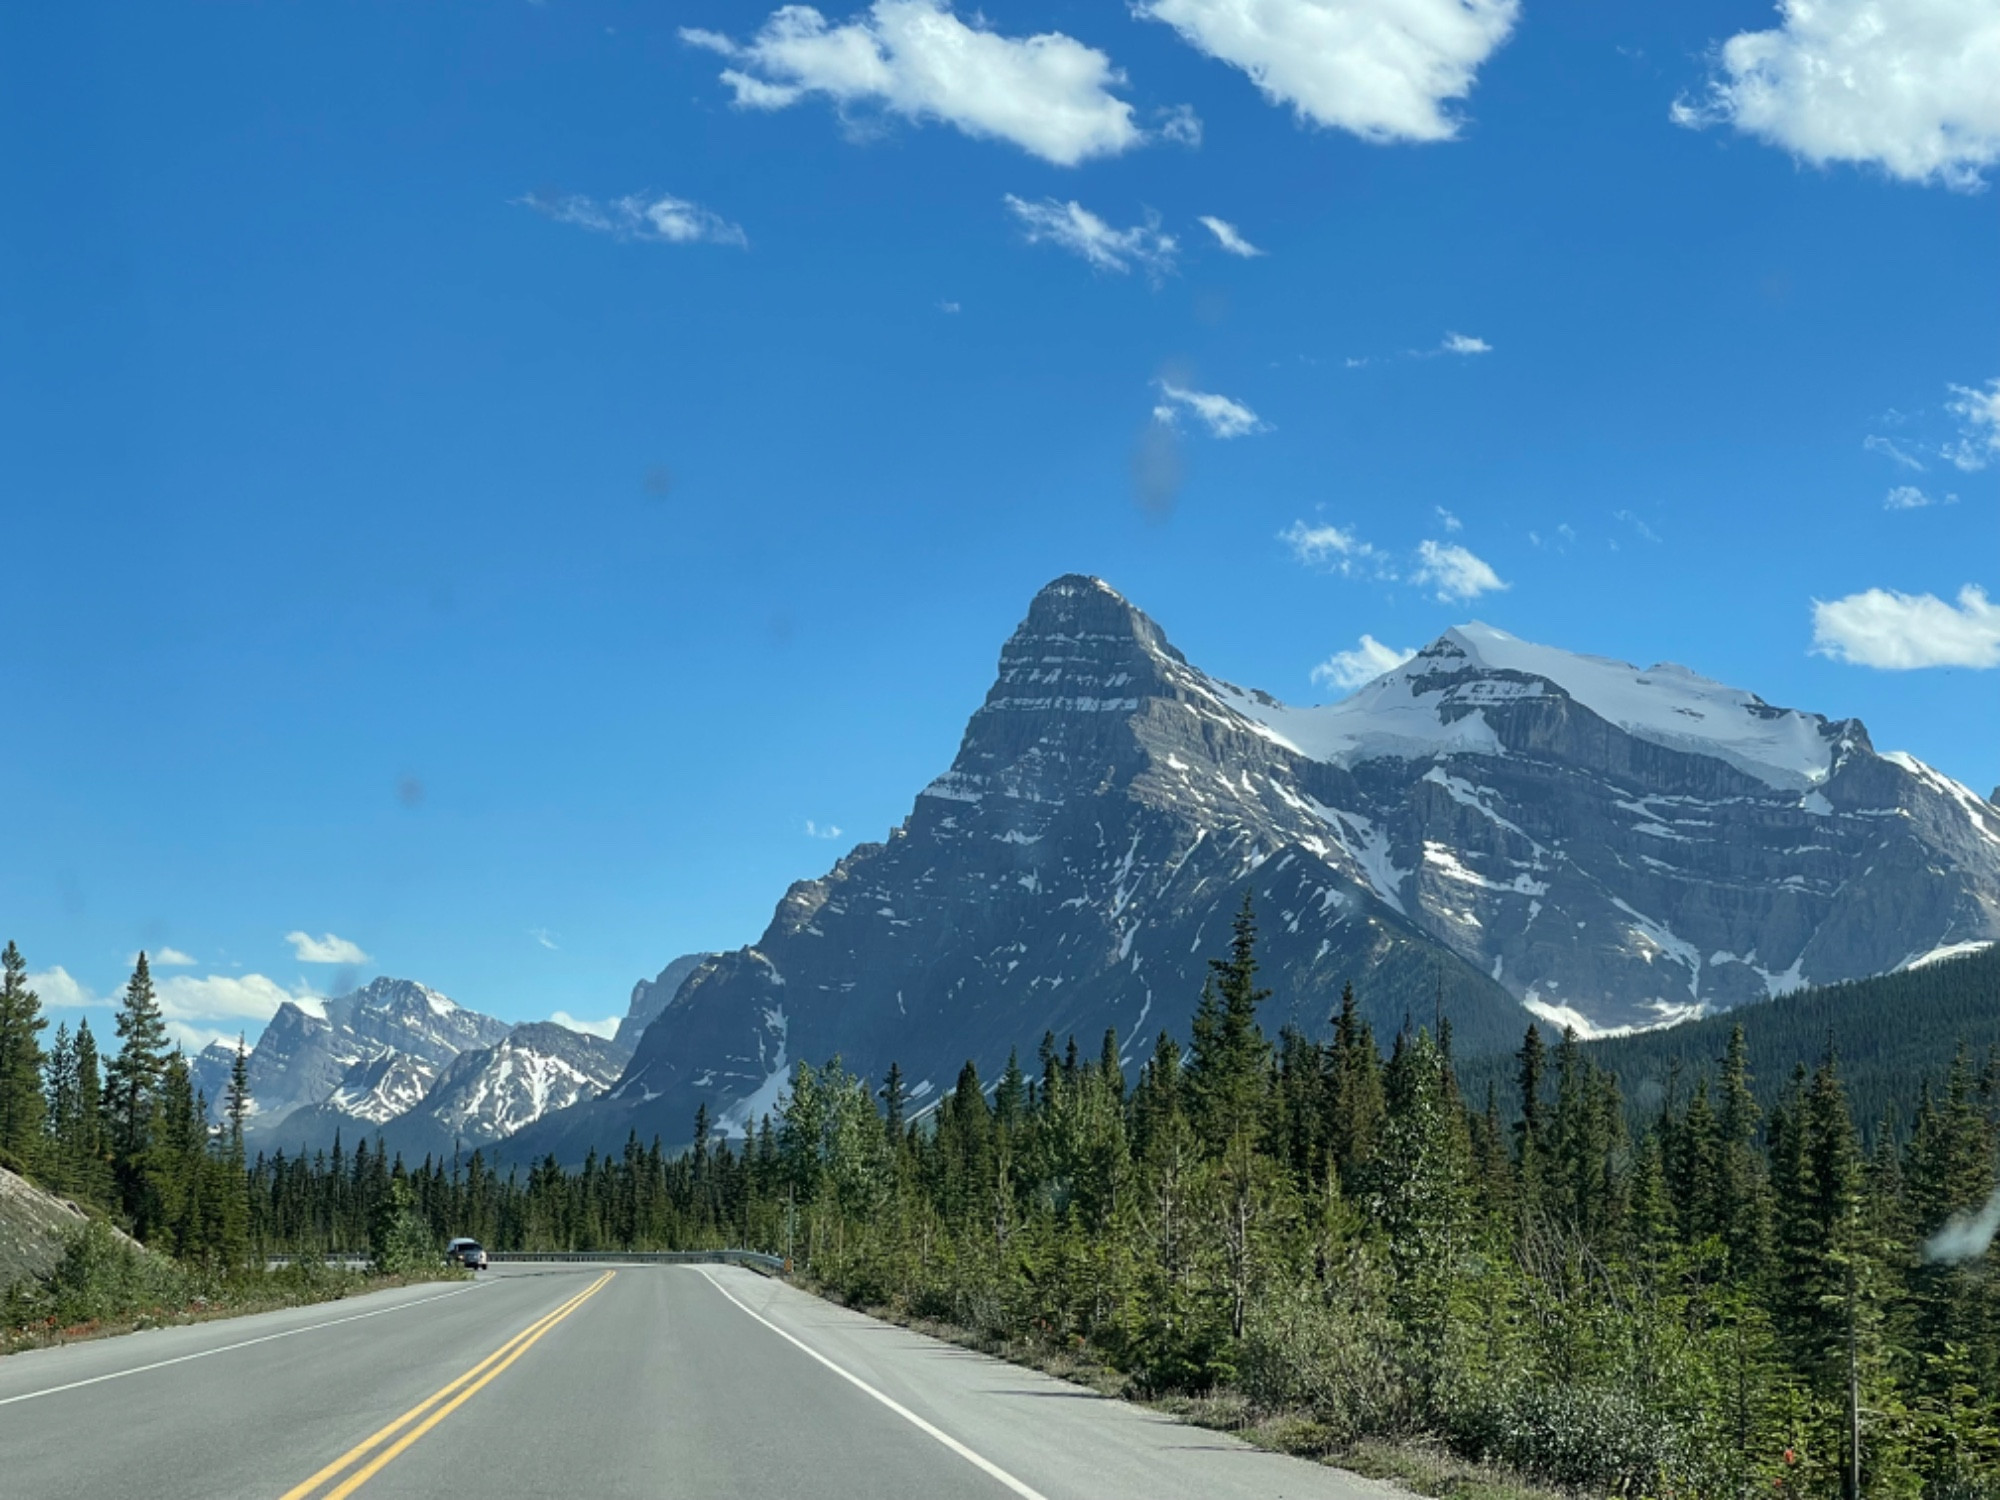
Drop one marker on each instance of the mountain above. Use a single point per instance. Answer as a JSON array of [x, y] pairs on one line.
[[650, 997], [210, 1069], [398, 1060], [488, 1094], [311, 1049], [1490, 824]]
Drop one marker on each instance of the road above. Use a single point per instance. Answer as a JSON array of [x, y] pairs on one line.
[[592, 1381]]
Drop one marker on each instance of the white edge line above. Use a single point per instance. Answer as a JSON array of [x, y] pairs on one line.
[[161, 1364], [1026, 1492]]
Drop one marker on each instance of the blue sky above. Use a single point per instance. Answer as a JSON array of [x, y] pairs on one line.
[[490, 489]]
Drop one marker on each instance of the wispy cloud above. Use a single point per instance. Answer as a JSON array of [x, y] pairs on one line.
[[1072, 227], [1904, 632], [658, 217], [1181, 125], [1639, 528], [1906, 87], [1456, 573], [1909, 497], [543, 936], [1890, 449], [325, 949], [1363, 663], [1048, 94], [607, 1028], [1223, 417], [1449, 521], [166, 958], [822, 830], [1978, 413], [1333, 549], [1381, 69], [1227, 236], [1464, 343]]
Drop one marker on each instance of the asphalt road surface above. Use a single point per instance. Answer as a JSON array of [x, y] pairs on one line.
[[587, 1381]]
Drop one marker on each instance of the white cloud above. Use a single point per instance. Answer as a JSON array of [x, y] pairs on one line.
[[543, 936], [642, 216], [948, 307], [1456, 572], [1048, 94], [1382, 69], [1449, 521], [1909, 497], [1224, 418], [1072, 227], [1181, 125], [1907, 85], [1332, 548], [58, 987], [1227, 236], [235, 997], [1978, 413], [165, 958], [1901, 632], [1366, 662], [1890, 449], [1461, 343], [822, 830], [197, 1010], [325, 949], [607, 1028]]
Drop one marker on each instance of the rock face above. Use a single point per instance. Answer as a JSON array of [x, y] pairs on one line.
[[650, 997], [1490, 824]]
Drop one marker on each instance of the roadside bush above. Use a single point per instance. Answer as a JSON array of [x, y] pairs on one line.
[[103, 1278], [1331, 1351], [400, 1239], [1601, 1436]]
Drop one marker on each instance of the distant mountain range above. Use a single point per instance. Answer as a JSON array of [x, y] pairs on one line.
[[1491, 825], [398, 1060]]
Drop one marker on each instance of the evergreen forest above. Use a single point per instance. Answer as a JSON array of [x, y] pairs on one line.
[[1743, 1283]]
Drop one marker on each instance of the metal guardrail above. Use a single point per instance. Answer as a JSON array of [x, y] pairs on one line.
[[755, 1259]]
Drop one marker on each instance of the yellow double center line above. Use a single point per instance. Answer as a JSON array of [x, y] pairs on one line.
[[439, 1406]]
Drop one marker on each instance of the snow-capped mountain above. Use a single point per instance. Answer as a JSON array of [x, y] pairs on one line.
[[1491, 824], [309, 1052], [398, 1060], [490, 1093]]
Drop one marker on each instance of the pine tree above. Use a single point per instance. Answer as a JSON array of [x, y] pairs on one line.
[[133, 1080], [236, 1102], [87, 1149], [1225, 1071], [1531, 1146], [1741, 1212], [893, 1095], [1353, 1092], [21, 1025]]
